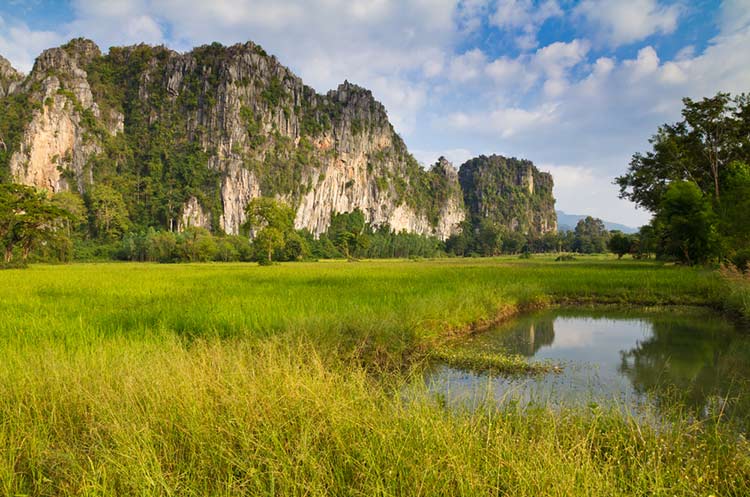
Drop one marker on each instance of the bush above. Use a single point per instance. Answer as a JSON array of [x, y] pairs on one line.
[[565, 258]]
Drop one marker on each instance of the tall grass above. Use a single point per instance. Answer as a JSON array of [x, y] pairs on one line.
[[225, 418], [123, 379]]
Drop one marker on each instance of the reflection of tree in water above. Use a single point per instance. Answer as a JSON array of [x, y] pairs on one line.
[[528, 336], [692, 365]]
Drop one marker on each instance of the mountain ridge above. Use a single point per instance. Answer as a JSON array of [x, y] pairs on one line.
[[188, 139]]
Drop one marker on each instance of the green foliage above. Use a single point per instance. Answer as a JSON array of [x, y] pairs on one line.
[[274, 93], [709, 149], [16, 111], [565, 258], [192, 245], [734, 209], [108, 211], [267, 241], [620, 243], [28, 218], [591, 236], [296, 247], [347, 231], [685, 223], [509, 192], [696, 149], [265, 212], [271, 224]]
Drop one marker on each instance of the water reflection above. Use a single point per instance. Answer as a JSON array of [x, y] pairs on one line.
[[686, 357]]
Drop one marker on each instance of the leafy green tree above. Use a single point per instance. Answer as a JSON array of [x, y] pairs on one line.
[[685, 223], [265, 212], [712, 134], [225, 250], [296, 247], [734, 209], [347, 231], [514, 243], [619, 243], [196, 245], [266, 242], [162, 247], [490, 238], [27, 218], [591, 236], [74, 205], [268, 222], [461, 243], [110, 215]]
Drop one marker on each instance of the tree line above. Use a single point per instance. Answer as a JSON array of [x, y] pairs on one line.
[[64, 227], [695, 181]]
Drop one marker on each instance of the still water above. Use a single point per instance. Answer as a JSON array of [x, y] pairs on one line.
[[687, 358]]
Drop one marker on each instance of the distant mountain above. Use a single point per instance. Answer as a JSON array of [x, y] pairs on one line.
[[567, 222]]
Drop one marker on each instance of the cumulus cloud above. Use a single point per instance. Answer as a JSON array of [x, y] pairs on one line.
[[621, 22], [468, 66], [20, 44], [524, 17]]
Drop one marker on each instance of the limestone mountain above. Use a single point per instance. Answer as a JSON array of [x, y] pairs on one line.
[[508, 192], [190, 138]]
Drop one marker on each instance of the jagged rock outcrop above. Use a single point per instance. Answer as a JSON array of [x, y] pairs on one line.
[[190, 139], [9, 78], [509, 192], [56, 145]]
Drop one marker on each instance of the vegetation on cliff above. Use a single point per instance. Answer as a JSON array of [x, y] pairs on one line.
[[509, 193]]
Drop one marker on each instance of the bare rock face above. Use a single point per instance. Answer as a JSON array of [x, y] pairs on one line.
[[193, 215], [57, 140], [9, 78]]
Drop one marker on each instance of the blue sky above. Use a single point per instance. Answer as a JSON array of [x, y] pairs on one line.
[[575, 86]]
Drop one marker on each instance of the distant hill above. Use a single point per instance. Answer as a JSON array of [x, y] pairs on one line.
[[567, 222]]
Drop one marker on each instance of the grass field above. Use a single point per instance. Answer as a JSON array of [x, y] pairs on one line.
[[226, 379]]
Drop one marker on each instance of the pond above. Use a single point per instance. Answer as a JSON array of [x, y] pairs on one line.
[[666, 358]]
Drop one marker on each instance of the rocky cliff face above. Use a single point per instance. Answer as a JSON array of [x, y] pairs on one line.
[[189, 139], [9, 78], [510, 192]]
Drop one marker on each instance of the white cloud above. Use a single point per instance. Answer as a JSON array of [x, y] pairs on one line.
[[505, 122], [21, 45], [525, 18], [555, 59], [621, 22], [584, 190], [511, 74], [646, 63], [735, 15], [467, 66]]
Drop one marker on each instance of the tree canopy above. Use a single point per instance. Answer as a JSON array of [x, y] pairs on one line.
[[696, 181], [27, 217]]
